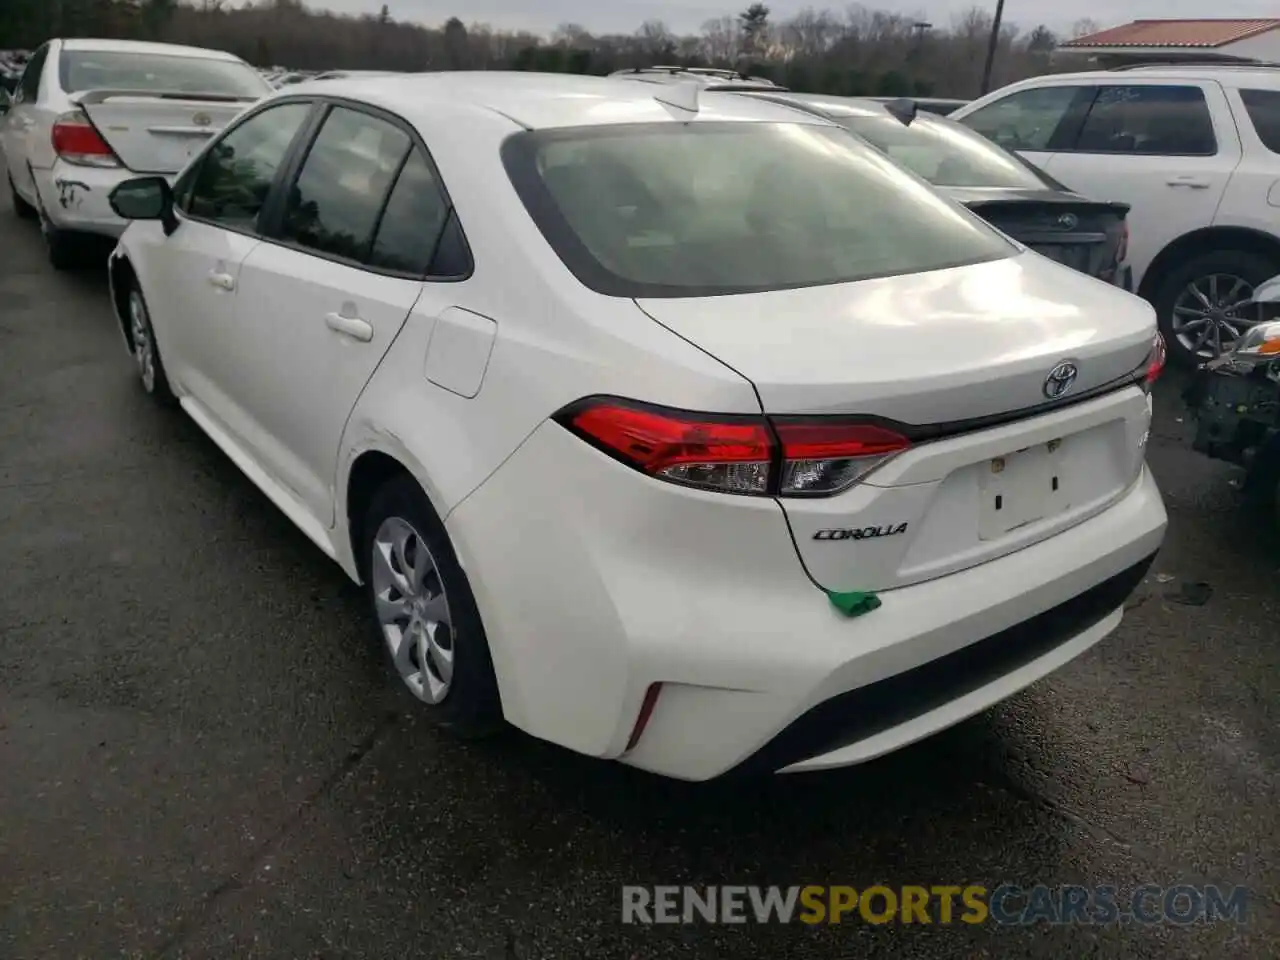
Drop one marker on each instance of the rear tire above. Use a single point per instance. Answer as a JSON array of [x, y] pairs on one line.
[[21, 208], [424, 612], [1173, 293], [146, 353], [65, 249]]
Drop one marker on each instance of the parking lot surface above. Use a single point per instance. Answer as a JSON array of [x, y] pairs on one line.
[[202, 754]]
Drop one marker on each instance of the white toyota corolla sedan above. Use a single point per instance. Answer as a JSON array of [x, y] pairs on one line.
[[684, 431]]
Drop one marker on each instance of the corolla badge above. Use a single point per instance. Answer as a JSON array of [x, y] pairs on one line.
[[1060, 379]]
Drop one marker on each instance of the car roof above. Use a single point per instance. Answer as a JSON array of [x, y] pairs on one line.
[[1234, 73], [544, 100], [143, 46]]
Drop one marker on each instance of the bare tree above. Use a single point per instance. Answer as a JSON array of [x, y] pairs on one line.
[[721, 40], [1083, 27], [656, 43], [846, 50]]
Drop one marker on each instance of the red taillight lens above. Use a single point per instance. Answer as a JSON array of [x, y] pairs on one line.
[[735, 454], [820, 458], [1155, 362], [77, 141], [731, 454]]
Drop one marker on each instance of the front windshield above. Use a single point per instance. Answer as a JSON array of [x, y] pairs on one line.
[[701, 209], [116, 70], [946, 154]]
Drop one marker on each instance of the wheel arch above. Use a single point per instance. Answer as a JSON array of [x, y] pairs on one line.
[[1205, 240], [368, 468], [120, 278]]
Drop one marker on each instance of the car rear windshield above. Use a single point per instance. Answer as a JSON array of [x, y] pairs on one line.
[[117, 70], [946, 153], [713, 208]]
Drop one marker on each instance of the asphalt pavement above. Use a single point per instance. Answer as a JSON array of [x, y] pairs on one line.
[[202, 754]]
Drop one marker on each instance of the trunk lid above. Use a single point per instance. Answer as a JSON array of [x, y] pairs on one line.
[[157, 132], [1082, 234], [957, 360]]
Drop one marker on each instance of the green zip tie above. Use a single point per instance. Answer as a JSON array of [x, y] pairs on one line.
[[854, 603]]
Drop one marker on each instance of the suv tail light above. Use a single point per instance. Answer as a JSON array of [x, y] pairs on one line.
[[1122, 250], [744, 454], [76, 140]]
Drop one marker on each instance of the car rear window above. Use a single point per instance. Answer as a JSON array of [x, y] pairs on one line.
[[945, 153], [117, 70], [709, 208]]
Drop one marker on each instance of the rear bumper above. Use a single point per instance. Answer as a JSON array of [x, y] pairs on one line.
[[595, 583], [75, 198], [867, 721]]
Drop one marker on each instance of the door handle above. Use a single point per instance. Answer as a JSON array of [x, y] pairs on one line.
[[223, 281], [1194, 183], [353, 327]]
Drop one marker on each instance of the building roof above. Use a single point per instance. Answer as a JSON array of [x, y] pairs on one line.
[[1195, 34]]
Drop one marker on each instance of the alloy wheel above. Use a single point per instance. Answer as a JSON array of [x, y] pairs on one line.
[[144, 350], [1212, 312], [413, 610]]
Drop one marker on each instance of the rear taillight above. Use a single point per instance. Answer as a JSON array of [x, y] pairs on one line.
[[791, 456], [823, 456], [76, 140], [1154, 364], [1122, 249]]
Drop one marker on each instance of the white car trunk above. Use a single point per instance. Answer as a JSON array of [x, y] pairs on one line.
[[157, 132], [958, 359]]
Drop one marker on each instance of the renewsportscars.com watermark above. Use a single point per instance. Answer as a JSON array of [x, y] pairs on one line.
[[1007, 904]]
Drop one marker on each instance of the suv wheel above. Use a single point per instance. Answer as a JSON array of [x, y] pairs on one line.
[[1204, 304], [425, 612]]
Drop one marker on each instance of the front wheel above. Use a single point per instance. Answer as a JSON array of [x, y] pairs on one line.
[[1205, 305], [425, 612]]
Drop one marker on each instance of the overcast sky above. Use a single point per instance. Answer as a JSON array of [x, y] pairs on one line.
[[685, 16]]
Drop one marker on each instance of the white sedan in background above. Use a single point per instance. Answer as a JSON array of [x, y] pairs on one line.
[[88, 114], [690, 432]]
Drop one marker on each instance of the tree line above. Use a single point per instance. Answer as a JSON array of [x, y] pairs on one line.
[[854, 51]]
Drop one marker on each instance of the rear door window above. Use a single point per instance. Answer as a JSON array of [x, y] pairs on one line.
[[411, 225], [1263, 107], [1030, 119], [1149, 120], [334, 206]]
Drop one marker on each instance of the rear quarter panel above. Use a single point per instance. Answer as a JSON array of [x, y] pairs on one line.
[[556, 341]]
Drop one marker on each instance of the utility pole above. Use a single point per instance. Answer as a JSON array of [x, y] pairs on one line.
[[991, 47], [920, 28]]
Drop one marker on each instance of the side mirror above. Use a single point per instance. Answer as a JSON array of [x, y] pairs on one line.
[[145, 198]]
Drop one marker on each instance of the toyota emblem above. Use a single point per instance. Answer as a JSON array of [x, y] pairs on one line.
[[202, 119], [1060, 379], [1068, 221]]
